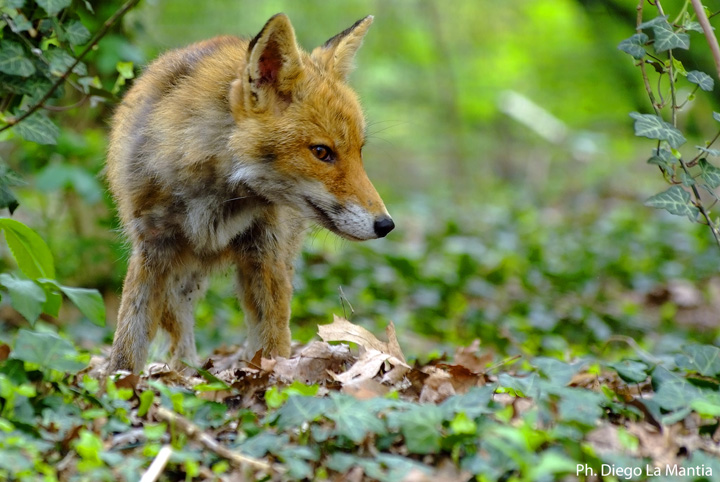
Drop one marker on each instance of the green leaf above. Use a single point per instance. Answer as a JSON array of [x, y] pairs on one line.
[[29, 250], [702, 79], [666, 38], [38, 128], [663, 158], [421, 427], [8, 179], [125, 69], [580, 405], [631, 371], [13, 60], [76, 33], [88, 301], [60, 61], [47, 350], [709, 173], [657, 21], [53, 7], [709, 152], [299, 409], [703, 359], [62, 176], [675, 200], [353, 419], [558, 372], [26, 297], [473, 403], [653, 127], [635, 45]]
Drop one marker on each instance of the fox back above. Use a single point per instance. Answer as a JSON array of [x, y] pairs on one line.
[[222, 153]]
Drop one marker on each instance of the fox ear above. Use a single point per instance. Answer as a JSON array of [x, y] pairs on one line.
[[338, 53], [273, 64]]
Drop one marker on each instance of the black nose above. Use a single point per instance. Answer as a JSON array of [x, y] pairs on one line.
[[383, 226]]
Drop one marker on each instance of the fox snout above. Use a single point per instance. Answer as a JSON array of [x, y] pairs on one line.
[[383, 225]]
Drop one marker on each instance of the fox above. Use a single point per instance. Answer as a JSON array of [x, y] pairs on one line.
[[225, 153]]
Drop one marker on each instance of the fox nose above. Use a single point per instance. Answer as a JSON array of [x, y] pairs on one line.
[[383, 226]]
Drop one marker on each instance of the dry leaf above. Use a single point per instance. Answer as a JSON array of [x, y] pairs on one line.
[[342, 330], [365, 389], [470, 357], [367, 366], [312, 364]]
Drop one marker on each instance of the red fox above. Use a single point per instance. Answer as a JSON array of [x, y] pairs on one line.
[[222, 153]]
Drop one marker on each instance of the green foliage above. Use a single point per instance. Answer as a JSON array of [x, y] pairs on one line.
[[683, 198]]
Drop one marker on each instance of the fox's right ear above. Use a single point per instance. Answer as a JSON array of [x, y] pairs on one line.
[[273, 66]]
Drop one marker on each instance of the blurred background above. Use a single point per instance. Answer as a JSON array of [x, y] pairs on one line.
[[501, 142]]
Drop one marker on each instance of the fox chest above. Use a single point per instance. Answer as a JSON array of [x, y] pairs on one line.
[[206, 223]]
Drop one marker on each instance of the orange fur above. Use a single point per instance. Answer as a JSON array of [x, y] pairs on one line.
[[221, 153]]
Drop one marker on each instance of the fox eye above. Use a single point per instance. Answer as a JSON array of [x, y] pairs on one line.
[[323, 153]]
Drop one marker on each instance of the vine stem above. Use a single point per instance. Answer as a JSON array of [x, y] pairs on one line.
[[98, 35], [673, 106], [709, 34]]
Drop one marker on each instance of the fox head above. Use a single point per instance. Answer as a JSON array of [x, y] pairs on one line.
[[306, 130]]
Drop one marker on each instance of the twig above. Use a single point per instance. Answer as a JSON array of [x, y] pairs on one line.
[[646, 80], [158, 465], [196, 433], [99, 35], [709, 34]]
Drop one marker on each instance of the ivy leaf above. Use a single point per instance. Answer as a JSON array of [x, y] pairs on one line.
[[8, 179], [47, 350], [13, 60], [76, 33], [674, 392], [60, 61], [473, 403], [299, 409], [88, 301], [709, 152], [653, 127], [631, 371], [38, 128], [709, 173], [53, 7], [635, 45], [704, 359], [421, 426], [693, 26], [29, 250], [26, 296], [580, 405], [675, 200], [666, 38], [660, 20], [663, 158], [353, 419], [702, 79]]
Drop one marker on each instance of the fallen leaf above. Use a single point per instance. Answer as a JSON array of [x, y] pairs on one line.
[[4, 351], [365, 389], [367, 366], [342, 330], [312, 364], [470, 357]]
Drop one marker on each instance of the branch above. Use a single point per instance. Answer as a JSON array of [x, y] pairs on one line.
[[196, 433], [709, 34], [99, 35]]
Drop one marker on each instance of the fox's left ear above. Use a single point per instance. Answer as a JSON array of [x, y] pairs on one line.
[[338, 53]]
